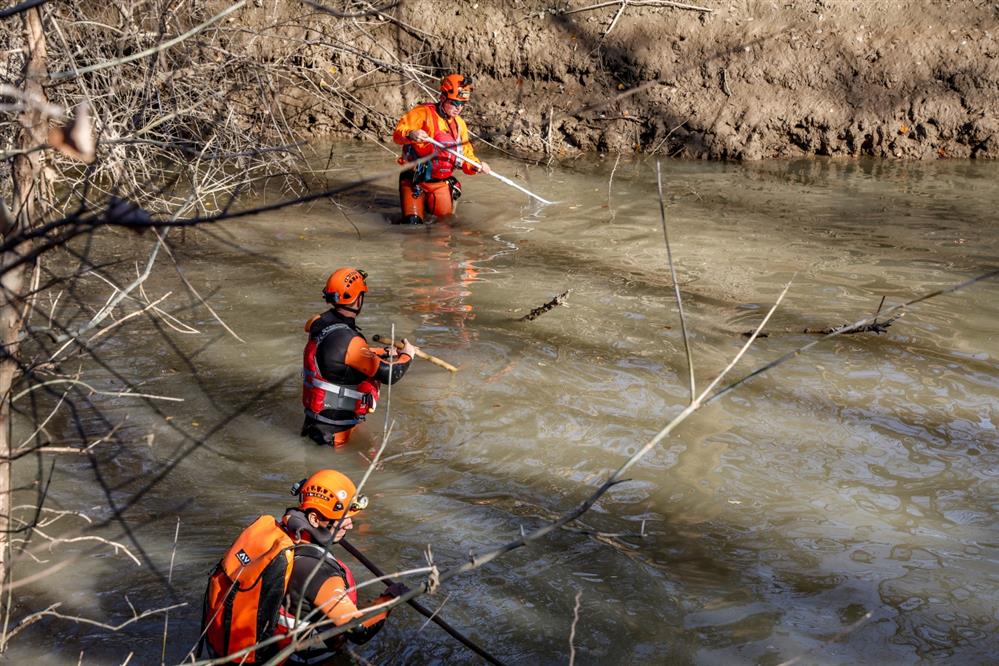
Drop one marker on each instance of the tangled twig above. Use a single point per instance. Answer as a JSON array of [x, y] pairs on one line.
[[538, 311]]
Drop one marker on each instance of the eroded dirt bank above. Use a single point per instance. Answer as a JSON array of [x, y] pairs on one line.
[[749, 80]]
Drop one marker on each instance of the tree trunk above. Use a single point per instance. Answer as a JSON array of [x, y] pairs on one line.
[[28, 179]]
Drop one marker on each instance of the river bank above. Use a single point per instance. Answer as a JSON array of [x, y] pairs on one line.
[[746, 81]]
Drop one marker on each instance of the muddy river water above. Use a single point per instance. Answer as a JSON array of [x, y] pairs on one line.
[[860, 478]]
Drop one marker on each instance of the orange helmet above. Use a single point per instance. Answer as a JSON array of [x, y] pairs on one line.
[[457, 87], [344, 286], [330, 493]]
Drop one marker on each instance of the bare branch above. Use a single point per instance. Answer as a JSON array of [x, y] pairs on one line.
[[117, 298], [58, 76], [114, 544], [166, 614], [332, 12], [572, 631], [610, 185], [638, 3], [50, 612], [23, 7], [197, 295], [848, 630], [676, 284], [115, 394], [130, 315]]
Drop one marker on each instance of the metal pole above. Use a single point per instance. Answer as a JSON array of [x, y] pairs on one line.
[[503, 179]]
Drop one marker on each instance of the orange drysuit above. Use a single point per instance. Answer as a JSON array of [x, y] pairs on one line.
[[431, 186]]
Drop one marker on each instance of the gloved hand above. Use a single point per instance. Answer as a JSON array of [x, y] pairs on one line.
[[396, 590], [418, 135]]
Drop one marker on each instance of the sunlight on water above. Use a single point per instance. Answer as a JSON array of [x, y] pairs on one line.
[[857, 478]]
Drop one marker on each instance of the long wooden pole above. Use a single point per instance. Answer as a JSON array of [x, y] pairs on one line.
[[419, 353], [420, 608]]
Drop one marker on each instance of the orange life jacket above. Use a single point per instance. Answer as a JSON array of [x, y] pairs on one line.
[[245, 592], [243, 602], [442, 165]]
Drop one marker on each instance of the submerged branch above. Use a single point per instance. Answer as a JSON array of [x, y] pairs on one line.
[[877, 327], [550, 305], [847, 329]]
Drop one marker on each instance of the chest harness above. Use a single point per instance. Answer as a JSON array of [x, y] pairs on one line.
[[319, 395]]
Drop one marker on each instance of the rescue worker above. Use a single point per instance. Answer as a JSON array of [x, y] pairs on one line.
[[431, 187], [341, 372], [280, 578]]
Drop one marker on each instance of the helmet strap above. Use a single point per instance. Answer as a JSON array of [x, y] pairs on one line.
[[357, 310]]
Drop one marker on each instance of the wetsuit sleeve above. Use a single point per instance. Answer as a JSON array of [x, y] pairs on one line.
[[466, 148], [413, 120], [361, 357], [391, 372], [336, 605], [371, 363]]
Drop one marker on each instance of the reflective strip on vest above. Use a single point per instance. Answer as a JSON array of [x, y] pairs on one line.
[[334, 422], [312, 379], [287, 624], [288, 621]]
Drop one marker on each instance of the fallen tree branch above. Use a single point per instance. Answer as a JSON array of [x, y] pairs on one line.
[[538, 311], [875, 326], [638, 3], [847, 329]]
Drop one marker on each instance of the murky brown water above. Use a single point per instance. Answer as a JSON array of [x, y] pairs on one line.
[[859, 478]]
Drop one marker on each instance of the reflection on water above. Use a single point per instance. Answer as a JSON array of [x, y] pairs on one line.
[[860, 478]]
